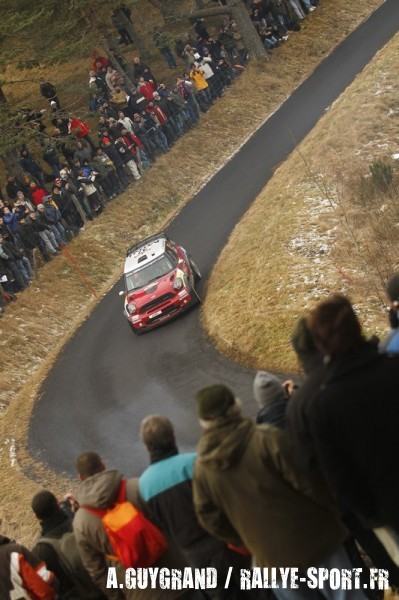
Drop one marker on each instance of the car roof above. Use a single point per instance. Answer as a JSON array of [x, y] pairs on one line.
[[142, 255]]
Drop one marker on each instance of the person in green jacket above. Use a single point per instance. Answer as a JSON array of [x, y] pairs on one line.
[[248, 493], [163, 41]]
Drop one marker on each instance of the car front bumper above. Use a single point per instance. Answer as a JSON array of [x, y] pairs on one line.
[[162, 313]]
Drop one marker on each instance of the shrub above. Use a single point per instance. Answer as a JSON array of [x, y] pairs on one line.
[[382, 175]]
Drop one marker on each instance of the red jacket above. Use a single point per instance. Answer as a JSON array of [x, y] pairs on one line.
[[157, 112], [78, 127], [147, 89], [22, 575], [131, 142], [38, 193]]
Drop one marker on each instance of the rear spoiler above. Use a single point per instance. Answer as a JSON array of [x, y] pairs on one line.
[[146, 241]]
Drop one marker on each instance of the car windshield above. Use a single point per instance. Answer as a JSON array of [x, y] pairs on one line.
[[142, 277]]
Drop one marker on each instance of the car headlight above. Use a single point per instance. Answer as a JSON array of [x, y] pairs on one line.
[[131, 308], [178, 283]]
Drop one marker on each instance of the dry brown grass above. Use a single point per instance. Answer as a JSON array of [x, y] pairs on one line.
[[34, 329], [318, 226]]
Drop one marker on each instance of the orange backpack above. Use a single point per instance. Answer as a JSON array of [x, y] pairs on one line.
[[135, 541]]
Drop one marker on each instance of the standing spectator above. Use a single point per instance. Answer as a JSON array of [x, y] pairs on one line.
[[108, 178], [48, 241], [50, 155], [209, 71], [391, 343], [69, 185], [52, 217], [119, 99], [244, 476], [162, 120], [166, 487], [64, 198], [163, 41], [22, 575], [354, 442], [127, 157], [16, 262], [37, 194], [185, 89], [146, 88], [201, 86], [145, 128], [136, 147], [121, 23], [271, 397], [31, 240], [140, 69], [226, 39], [125, 121], [29, 165], [98, 491], [86, 180], [81, 130], [83, 152], [200, 29], [111, 151], [13, 186], [98, 90], [62, 559], [49, 91]]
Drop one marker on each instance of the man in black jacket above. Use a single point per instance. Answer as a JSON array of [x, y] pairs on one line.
[[348, 415], [16, 262], [61, 559], [49, 91]]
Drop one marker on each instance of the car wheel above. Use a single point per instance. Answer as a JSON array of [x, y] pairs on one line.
[[136, 331], [195, 270]]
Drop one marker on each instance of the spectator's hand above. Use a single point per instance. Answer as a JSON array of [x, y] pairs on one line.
[[72, 502]]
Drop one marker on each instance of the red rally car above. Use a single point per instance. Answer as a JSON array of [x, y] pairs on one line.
[[160, 279]]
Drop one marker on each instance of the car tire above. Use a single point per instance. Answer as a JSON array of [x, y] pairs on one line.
[[136, 331], [195, 270]]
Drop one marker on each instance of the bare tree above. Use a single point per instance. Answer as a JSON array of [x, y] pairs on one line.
[[239, 12]]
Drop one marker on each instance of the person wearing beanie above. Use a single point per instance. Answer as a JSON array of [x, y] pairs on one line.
[[391, 343], [272, 397], [54, 522], [247, 493], [57, 548], [166, 488]]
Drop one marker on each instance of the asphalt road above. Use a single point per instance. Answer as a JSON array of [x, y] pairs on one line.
[[106, 379]]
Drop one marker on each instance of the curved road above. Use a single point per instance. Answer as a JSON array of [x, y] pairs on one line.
[[106, 379]]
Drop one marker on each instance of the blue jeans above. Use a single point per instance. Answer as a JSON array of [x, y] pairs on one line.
[[25, 269], [338, 560], [169, 57], [193, 109], [161, 140]]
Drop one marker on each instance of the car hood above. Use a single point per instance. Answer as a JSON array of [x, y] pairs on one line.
[[153, 290]]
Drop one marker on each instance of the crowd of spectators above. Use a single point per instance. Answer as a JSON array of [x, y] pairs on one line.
[[311, 483], [74, 170]]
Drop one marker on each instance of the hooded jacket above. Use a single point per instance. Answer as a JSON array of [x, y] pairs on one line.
[[247, 492], [22, 575], [101, 491], [352, 422]]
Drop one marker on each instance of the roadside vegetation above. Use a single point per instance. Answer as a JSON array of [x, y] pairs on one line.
[[327, 221], [35, 328]]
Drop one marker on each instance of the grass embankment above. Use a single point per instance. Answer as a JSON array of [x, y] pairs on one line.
[[322, 224], [34, 329]]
